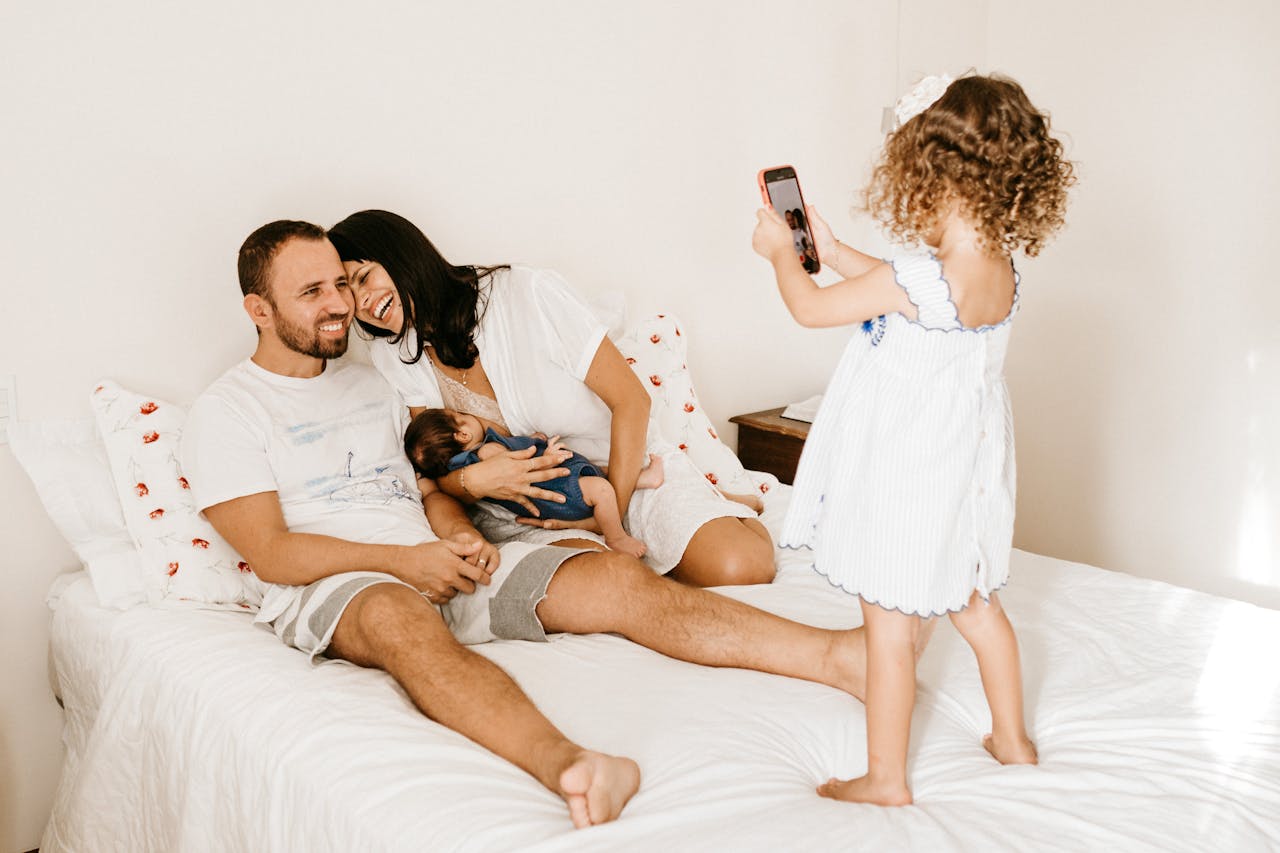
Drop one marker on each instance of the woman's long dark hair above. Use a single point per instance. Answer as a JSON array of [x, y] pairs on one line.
[[439, 300]]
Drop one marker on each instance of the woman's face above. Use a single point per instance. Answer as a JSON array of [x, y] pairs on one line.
[[377, 302]]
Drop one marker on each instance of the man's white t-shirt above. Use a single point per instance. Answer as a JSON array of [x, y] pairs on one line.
[[331, 447]]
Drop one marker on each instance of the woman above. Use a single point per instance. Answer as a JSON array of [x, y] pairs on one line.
[[518, 347]]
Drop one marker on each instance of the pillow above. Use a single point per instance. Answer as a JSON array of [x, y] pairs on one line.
[[67, 462], [656, 349], [182, 558]]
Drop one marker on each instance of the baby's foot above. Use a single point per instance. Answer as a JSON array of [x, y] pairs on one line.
[[596, 787], [752, 502], [865, 790], [652, 476], [627, 544], [1011, 750]]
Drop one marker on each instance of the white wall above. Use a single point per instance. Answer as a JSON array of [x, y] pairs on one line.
[[144, 140], [1145, 369]]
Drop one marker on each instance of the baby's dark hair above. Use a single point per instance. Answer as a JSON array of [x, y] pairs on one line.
[[985, 146], [429, 442]]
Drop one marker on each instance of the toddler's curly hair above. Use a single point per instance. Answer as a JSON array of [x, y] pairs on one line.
[[985, 146]]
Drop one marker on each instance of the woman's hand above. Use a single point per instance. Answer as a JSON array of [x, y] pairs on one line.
[[588, 523], [772, 238], [823, 239], [510, 476]]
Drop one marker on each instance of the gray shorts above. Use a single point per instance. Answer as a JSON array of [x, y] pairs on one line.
[[504, 609]]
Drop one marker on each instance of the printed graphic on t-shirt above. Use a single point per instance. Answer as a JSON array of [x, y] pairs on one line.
[[372, 486]]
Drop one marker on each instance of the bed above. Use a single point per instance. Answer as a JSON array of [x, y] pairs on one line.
[[1156, 711]]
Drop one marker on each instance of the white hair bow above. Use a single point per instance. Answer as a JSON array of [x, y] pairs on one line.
[[922, 96]]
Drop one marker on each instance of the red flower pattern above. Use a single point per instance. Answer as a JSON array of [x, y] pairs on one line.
[[653, 339], [630, 360], [688, 407], [142, 490], [147, 407], [157, 513], [200, 543], [148, 437], [182, 481], [685, 448], [243, 566], [173, 569], [655, 379], [712, 478], [712, 433]]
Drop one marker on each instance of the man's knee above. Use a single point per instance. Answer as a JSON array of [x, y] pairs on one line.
[[381, 620]]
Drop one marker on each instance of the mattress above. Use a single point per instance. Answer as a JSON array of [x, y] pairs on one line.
[[1156, 711]]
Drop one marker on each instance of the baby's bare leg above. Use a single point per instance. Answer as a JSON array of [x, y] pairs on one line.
[[652, 476], [986, 629], [600, 496]]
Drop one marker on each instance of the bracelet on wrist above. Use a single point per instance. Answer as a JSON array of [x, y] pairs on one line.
[[462, 482]]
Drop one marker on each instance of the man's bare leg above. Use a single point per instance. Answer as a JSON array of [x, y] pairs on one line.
[[727, 552], [611, 592], [392, 628]]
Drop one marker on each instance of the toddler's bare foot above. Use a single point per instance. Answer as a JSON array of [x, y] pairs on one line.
[[866, 790], [1011, 750], [654, 475], [596, 787], [627, 544]]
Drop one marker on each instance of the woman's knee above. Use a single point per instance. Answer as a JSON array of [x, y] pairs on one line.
[[742, 560]]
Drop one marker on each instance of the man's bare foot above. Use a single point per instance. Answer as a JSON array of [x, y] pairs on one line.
[[752, 502], [864, 790], [596, 787], [627, 544], [1011, 750], [652, 476]]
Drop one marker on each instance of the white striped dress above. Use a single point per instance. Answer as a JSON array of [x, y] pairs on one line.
[[905, 489]]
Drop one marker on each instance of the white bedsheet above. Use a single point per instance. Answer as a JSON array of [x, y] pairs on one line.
[[1156, 711]]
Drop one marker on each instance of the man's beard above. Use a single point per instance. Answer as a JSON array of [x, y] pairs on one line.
[[296, 338]]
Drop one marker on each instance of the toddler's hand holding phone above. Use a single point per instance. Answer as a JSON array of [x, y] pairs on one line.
[[823, 238], [772, 237]]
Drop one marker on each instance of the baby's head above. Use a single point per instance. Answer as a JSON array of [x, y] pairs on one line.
[[984, 148], [435, 436]]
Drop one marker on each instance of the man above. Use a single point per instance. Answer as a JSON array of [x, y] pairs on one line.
[[298, 463]]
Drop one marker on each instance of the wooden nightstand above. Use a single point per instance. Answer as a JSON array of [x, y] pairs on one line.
[[769, 442]]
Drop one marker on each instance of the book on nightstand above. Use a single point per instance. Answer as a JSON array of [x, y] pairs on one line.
[[805, 410]]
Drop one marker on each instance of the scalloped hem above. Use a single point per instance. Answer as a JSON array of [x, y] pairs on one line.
[[986, 597]]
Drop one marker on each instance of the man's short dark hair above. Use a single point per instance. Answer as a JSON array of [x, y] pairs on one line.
[[260, 249], [430, 444]]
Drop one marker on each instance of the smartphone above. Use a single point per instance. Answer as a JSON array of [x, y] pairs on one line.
[[780, 189]]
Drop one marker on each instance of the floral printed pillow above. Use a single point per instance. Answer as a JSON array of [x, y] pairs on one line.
[[656, 349], [183, 558]]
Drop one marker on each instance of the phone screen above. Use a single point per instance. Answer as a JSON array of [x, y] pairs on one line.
[[784, 195]]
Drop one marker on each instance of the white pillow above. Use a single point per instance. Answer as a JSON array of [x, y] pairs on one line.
[[183, 559], [655, 348], [67, 462]]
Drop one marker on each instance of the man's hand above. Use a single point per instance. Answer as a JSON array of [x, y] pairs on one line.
[[487, 558], [510, 476], [440, 569]]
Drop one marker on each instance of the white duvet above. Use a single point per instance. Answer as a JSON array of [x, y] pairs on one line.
[[1156, 711]]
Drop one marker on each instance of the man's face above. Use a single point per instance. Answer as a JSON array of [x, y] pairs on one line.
[[310, 299]]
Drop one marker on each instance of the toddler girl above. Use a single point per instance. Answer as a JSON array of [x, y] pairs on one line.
[[905, 489]]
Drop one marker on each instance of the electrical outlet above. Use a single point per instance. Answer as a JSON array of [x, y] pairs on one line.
[[8, 405]]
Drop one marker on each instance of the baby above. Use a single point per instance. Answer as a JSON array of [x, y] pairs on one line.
[[442, 440]]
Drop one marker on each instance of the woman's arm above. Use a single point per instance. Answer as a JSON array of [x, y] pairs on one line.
[[613, 381]]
